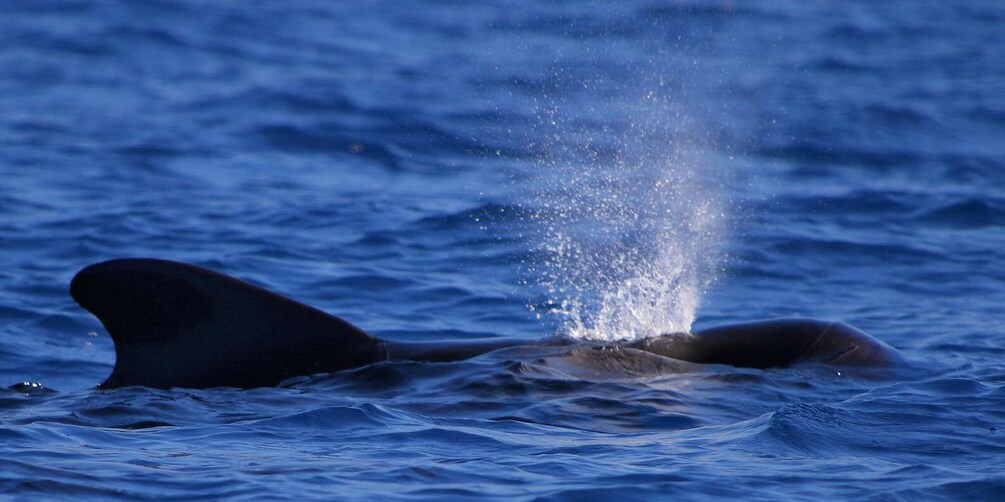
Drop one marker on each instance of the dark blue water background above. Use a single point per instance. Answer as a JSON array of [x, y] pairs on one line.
[[441, 170]]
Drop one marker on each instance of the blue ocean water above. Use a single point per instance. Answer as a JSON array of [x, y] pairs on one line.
[[441, 170]]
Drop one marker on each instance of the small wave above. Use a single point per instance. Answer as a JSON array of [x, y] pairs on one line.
[[979, 489], [318, 139], [813, 152], [844, 248], [864, 202], [482, 216], [808, 428], [970, 214], [329, 418], [695, 11]]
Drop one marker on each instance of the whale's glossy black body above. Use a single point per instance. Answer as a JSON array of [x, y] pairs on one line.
[[180, 325]]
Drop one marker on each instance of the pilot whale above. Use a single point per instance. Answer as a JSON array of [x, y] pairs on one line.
[[180, 325]]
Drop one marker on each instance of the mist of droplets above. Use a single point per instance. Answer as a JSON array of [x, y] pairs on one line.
[[628, 216], [629, 247]]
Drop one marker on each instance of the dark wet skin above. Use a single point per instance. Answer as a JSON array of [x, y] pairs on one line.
[[774, 343], [180, 325]]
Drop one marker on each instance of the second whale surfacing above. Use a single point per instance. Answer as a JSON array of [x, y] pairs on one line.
[[181, 325]]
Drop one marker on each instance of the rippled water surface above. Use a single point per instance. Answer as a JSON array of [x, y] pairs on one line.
[[438, 170]]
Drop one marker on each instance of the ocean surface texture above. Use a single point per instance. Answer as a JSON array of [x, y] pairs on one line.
[[439, 170]]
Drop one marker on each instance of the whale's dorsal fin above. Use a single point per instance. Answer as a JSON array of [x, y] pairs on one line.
[[180, 325]]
